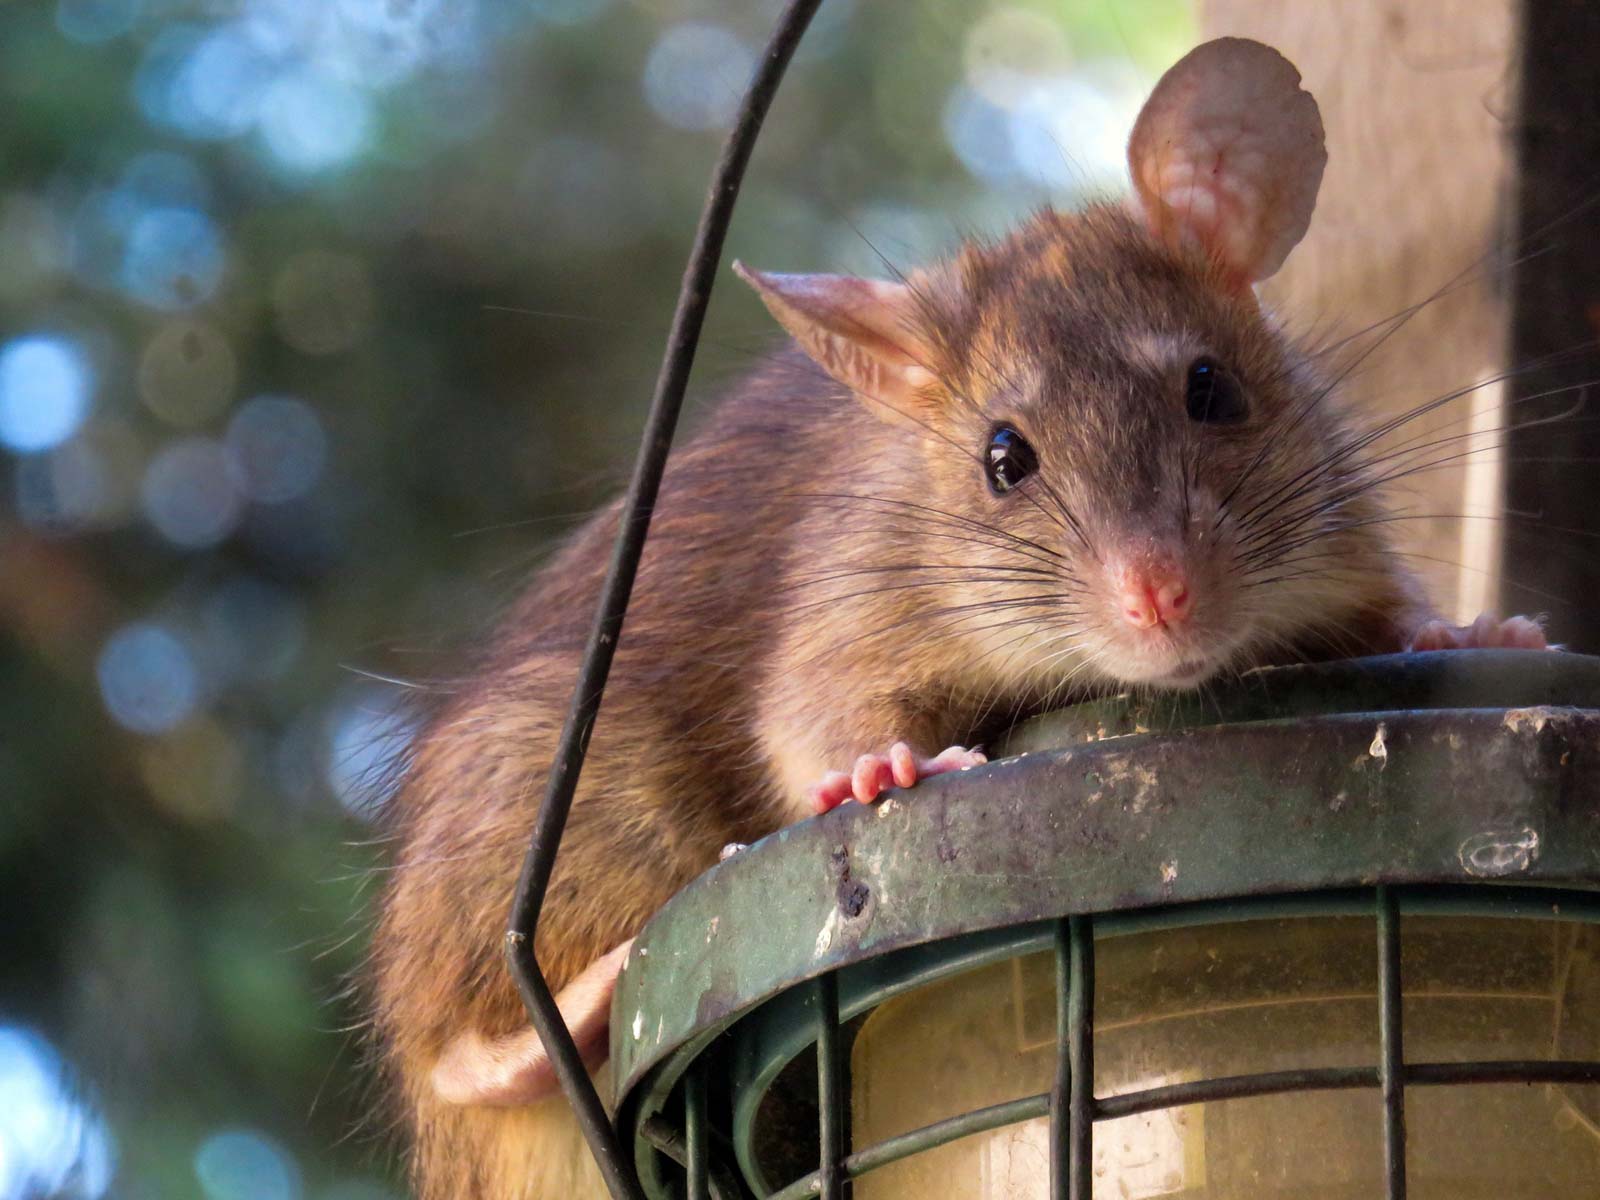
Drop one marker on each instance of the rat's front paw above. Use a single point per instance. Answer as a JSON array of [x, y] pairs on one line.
[[1487, 632], [876, 773]]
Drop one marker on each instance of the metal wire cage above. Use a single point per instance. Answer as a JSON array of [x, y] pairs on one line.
[[1450, 797]]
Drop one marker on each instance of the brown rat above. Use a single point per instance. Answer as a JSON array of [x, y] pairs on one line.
[[1075, 459]]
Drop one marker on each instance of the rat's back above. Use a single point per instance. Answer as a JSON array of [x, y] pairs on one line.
[[672, 773]]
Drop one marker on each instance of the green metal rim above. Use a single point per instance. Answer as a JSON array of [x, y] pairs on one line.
[[1259, 808]]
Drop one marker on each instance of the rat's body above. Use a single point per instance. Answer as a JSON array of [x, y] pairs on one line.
[[996, 493]]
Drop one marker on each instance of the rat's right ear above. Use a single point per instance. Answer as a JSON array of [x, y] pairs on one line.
[[863, 332], [1227, 155]]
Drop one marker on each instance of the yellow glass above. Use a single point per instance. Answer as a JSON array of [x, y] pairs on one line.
[[1185, 1004]]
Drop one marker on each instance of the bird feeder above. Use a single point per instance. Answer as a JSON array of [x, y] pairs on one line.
[[1328, 932]]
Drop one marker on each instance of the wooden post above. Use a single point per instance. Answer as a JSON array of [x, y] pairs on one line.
[[1552, 551], [1414, 98]]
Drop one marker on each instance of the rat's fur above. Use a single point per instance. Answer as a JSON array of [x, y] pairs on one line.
[[820, 581]]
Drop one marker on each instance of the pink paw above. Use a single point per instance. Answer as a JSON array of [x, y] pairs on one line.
[[1519, 633], [876, 773]]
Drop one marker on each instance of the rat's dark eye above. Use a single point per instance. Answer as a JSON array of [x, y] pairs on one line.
[[1214, 394], [1009, 460]]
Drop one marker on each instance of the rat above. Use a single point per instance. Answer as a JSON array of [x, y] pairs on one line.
[[1077, 459]]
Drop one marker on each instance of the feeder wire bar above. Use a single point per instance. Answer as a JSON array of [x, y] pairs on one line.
[[721, 1183], [1391, 1070], [831, 1115], [671, 383], [1061, 1091], [695, 1134], [1080, 1055]]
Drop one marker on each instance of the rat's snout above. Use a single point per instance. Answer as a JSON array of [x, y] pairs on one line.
[[1153, 591]]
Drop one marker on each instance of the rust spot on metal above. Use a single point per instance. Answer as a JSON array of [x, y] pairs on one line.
[[853, 898]]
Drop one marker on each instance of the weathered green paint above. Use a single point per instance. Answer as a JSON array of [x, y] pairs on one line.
[[1459, 768]]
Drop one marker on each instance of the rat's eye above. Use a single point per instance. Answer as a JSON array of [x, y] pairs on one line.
[[1214, 394], [1009, 460]]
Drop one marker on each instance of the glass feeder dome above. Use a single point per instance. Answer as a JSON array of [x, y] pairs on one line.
[[1330, 932]]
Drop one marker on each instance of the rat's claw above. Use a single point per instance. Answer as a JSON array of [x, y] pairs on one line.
[[954, 758], [902, 765], [875, 774], [1487, 632], [832, 791]]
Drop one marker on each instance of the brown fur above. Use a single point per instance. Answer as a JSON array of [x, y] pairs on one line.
[[814, 588]]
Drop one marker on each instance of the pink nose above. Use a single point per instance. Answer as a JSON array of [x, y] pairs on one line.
[[1154, 596]]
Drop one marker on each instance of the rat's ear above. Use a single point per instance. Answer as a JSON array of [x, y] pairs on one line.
[[866, 333], [1227, 155]]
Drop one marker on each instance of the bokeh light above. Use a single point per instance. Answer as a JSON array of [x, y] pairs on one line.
[[1071, 133], [287, 28], [191, 493], [53, 1142], [194, 772], [696, 74], [368, 732], [187, 372], [148, 680], [312, 122], [1030, 114], [980, 134], [277, 447], [65, 491], [174, 258], [45, 384], [148, 235], [204, 83], [379, 44], [88, 483], [244, 1164], [1009, 51]]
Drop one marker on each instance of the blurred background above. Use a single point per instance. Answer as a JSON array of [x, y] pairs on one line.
[[319, 320]]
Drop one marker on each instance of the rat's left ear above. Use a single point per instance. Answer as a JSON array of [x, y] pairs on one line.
[[1227, 155], [866, 333]]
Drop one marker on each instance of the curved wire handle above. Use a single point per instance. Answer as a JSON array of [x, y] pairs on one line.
[[684, 337]]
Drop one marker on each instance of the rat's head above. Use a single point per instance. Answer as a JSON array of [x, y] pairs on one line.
[[1142, 460]]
